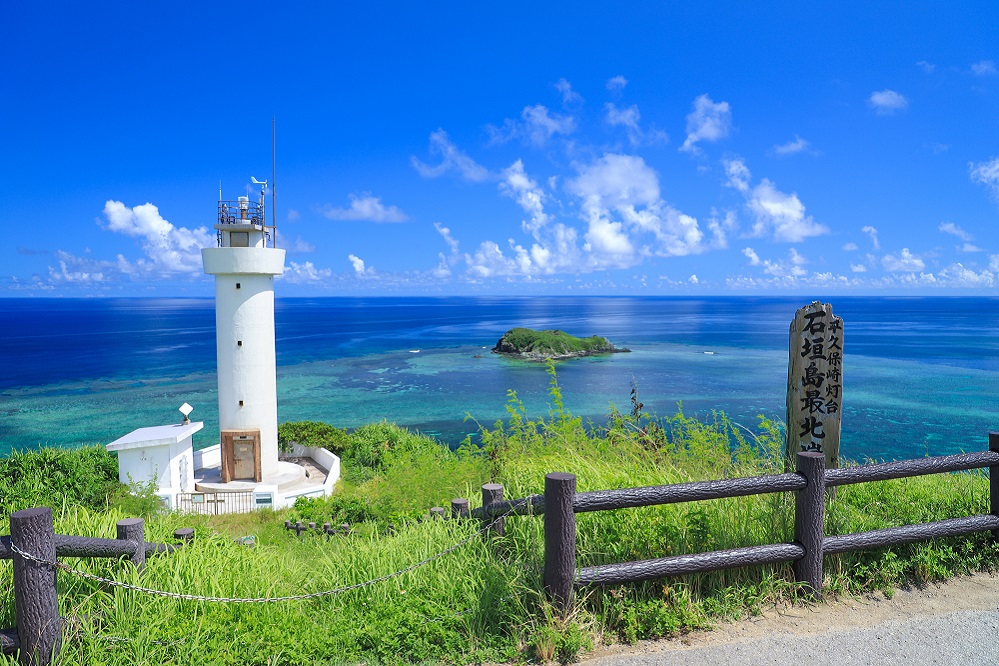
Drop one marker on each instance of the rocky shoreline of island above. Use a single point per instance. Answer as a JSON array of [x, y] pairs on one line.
[[531, 345]]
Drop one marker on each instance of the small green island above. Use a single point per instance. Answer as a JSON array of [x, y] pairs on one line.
[[534, 345]]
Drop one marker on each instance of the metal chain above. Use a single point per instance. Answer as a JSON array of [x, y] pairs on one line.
[[260, 600]]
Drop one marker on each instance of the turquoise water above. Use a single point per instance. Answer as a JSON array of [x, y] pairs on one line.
[[921, 375]]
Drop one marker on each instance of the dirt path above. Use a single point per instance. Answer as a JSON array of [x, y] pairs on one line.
[[952, 623]]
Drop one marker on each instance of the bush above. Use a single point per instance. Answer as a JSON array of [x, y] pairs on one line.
[[313, 434], [86, 476]]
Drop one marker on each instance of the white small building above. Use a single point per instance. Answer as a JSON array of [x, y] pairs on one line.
[[161, 455]]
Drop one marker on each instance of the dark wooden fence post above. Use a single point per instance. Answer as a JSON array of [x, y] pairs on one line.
[[437, 512], [493, 492], [809, 516], [994, 480], [186, 534], [133, 531], [560, 539], [35, 602], [459, 508]]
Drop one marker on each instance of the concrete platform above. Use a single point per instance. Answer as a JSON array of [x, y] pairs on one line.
[[290, 475]]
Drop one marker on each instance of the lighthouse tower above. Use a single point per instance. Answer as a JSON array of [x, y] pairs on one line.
[[244, 264]]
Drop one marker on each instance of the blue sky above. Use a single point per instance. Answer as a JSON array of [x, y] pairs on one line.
[[506, 148]]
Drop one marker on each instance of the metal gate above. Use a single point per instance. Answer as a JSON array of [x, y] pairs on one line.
[[216, 503]]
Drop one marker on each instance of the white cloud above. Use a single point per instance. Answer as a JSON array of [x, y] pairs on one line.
[[305, 273], [954, 230], [367, 208], [791, 147], [738, 175], [858, 268], [707, 122], [292, 215], [720, 228], [452, 159], [628, 117], [904, 262], [850, 247], [886, 102], [537, 126], [569, 96], [693, 280], [779, 215], [74, 269], [927, 67], [994, 262], [987, 174], [446, 235], [984, 68], [873, 233], [358, 264], [169, 250], [617, 83], [518, 186], [791, 268]]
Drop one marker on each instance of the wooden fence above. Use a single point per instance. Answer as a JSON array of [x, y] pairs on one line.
[[36, 606], [561, 502]]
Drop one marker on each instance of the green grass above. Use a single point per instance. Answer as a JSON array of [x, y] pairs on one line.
[[482, 602]]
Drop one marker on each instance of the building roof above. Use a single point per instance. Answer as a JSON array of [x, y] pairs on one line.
[[164, 435]]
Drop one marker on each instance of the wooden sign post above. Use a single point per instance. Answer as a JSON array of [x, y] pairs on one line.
[[815, 383]]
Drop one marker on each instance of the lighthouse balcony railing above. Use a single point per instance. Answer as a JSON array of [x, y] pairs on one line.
[[242, 212]]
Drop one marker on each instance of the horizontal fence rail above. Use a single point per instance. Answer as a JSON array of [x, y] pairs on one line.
[[806, 552], [906, 468]]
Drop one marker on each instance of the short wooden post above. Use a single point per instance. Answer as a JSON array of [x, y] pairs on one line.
[[459, 508], [560, 539], [133, 531], [994, 480], [186, 534], [437, 512], [809, 516], [35, 602], [493, 492]]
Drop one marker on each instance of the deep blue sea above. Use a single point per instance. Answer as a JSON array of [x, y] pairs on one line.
[[921, 375]]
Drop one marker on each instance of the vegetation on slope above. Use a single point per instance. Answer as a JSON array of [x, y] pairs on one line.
[[482, 602], [555, 344]]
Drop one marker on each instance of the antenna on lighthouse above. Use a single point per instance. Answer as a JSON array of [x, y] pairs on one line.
[[273, 184]]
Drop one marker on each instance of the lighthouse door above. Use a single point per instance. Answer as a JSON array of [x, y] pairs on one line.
[[241, 455]]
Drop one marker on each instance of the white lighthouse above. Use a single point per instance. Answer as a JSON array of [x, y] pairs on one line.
[[244, 264]]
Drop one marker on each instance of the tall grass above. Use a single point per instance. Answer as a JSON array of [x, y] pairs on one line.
[[482, 602]]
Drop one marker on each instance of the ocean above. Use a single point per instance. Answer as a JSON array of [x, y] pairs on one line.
[[921, 375]]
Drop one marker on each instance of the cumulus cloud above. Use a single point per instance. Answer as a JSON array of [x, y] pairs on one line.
[[987, 174], [850, 247], [858, 268], [629, 117], [904, 262], [569, 96], [994, 262], [707, 121], [873, 233], [305, 273], [927, 67], [954, 230], [367, 208], [169, 250], [452, 159], [73, 269], [617, 83], [791, 147], [778, 214], [518, 186], [790, 268], [983, 68], [358, 264], [886, 102], [537, 125]]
